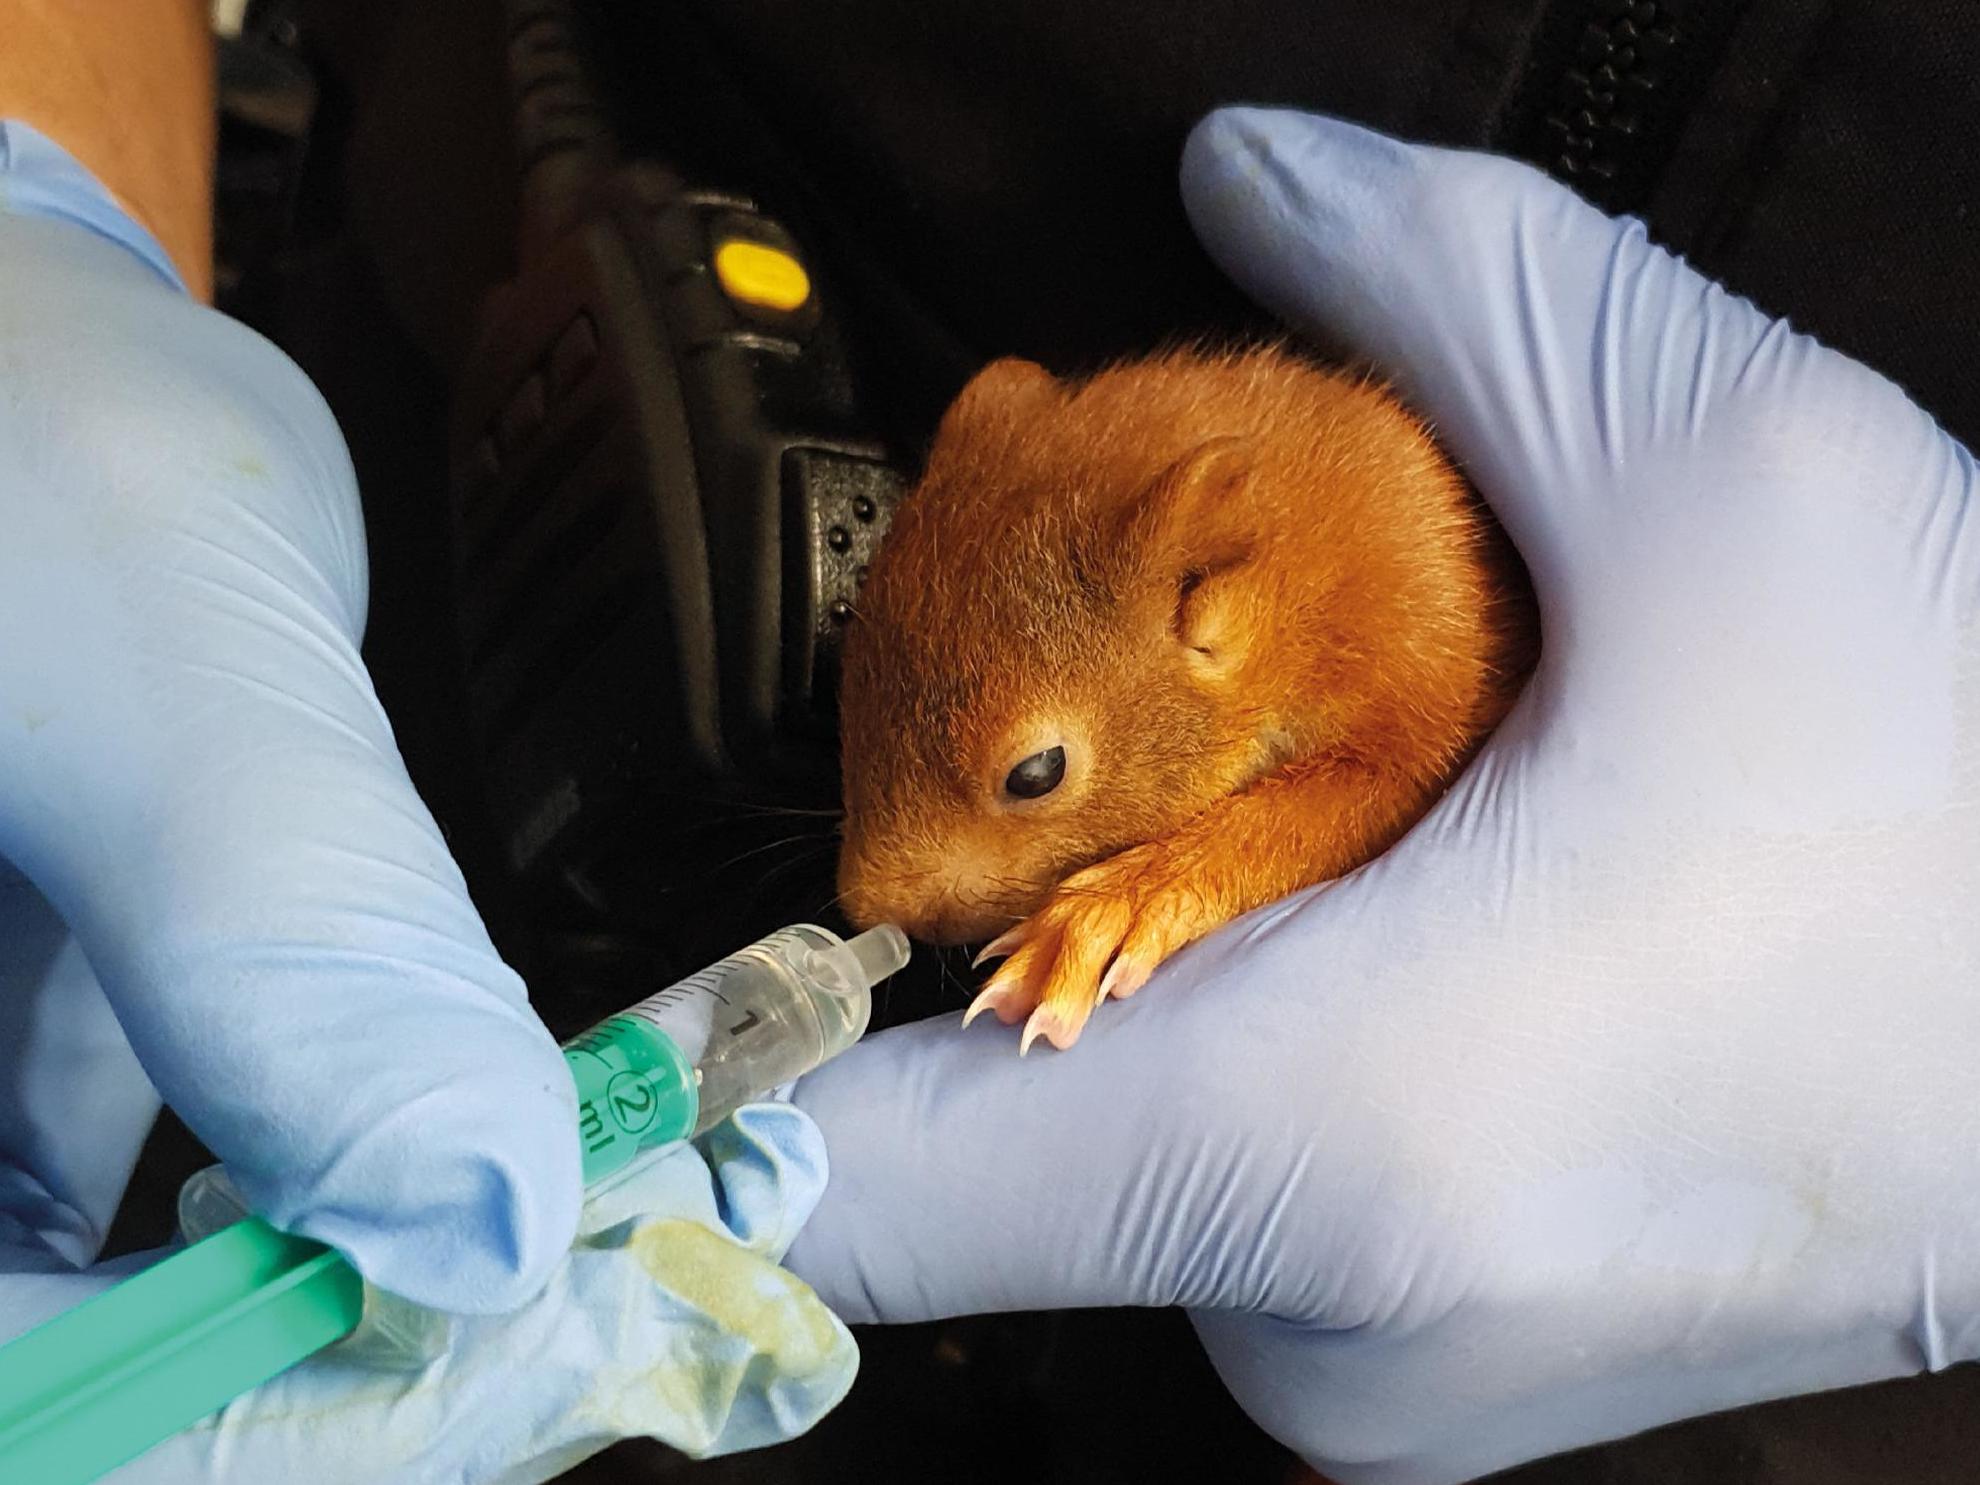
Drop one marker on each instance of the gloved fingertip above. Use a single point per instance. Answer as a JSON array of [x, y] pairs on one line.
[[1222, 175], [1243, 137], [461, 1204], [1252, 171], [530, 1216], [1311, 217]]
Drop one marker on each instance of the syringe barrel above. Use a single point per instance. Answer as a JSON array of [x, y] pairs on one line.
[[685, 1058], [669, 1067]]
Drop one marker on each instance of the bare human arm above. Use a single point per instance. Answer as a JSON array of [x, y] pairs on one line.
[[127, 88]]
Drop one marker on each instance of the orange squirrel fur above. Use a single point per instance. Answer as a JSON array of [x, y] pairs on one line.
[[1259, 615]]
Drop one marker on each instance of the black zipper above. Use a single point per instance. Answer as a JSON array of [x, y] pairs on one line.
[[1607, 87]]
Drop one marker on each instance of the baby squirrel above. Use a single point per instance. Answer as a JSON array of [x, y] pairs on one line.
[[1147, 650]]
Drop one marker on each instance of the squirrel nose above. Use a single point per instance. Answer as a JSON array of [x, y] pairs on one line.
[[946, 925], [870, 895], [948, 911], [939, 901], [927, 915]]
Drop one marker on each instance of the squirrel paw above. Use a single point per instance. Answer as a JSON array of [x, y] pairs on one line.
[[1102, 932]]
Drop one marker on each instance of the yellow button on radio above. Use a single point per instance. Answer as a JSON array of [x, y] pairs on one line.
[[753, 273]]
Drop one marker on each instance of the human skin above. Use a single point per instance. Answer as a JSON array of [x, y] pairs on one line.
[[127, 88]]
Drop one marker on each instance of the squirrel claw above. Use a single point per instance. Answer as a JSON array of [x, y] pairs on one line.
[[1123, 977], [1052, 1023], [993, 997], [1004, 943]]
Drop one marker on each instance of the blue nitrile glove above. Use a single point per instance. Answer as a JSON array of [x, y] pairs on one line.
[[1642, 1079], [213, 869]]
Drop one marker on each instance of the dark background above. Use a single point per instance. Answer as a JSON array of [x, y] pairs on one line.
[[1005, 174]]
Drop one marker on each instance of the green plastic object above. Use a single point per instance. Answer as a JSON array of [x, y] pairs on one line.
[[100, 1384], [635, 1089]]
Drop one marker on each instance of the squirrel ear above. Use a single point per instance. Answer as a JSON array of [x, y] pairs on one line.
[[1194, 519], [1006, 386]]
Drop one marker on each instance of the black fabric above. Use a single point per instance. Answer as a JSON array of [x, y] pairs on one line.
[[1012, 162], [1606, 89], [1015, 160], [1857, 210]]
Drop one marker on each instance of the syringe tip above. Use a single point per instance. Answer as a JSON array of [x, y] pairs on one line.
[[881, 951]]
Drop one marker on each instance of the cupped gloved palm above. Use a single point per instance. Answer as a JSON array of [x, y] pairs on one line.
[[1640, 1080]]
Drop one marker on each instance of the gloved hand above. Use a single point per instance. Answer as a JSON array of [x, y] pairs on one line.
[[1642, 1079], [217, 882], [213, 869], [670, 1321]]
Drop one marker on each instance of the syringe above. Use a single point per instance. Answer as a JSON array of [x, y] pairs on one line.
[[98, 1385], [681, 1061]]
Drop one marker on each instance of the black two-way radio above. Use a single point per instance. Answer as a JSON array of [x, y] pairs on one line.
[[664, 493]]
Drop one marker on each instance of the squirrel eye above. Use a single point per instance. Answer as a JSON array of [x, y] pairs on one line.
[[1038, 775]]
